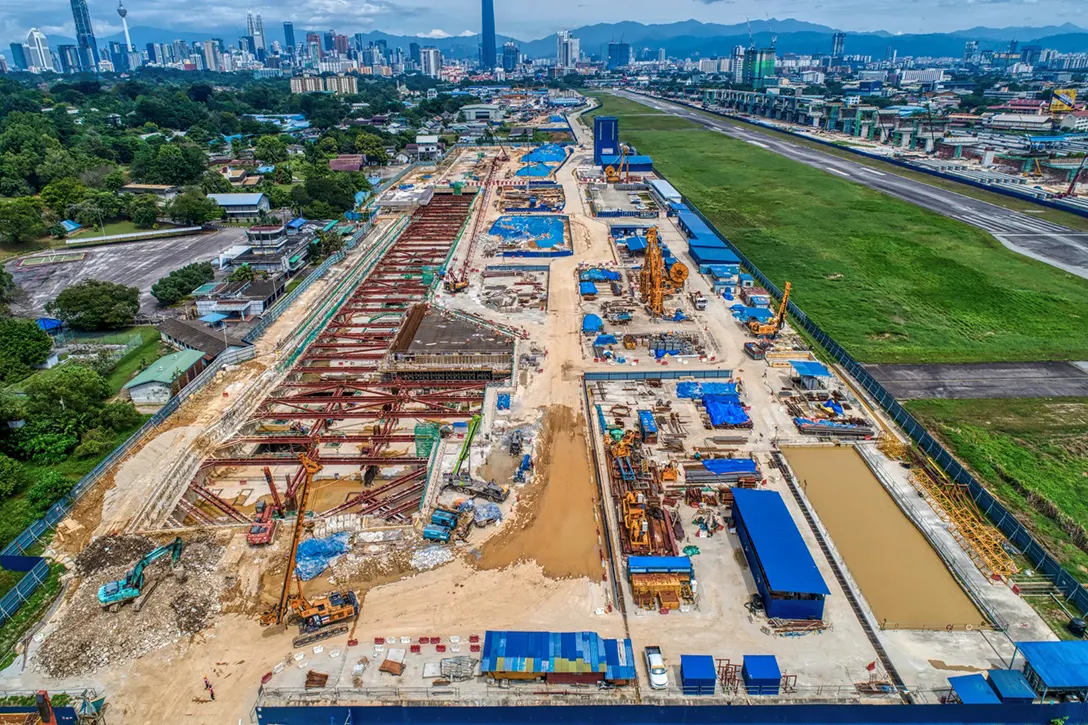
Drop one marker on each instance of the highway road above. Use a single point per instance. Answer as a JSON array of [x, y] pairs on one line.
[[1036, 238]]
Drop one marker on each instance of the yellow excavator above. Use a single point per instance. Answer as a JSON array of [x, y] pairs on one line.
[[323, 616], [771, 328], [655, 283]]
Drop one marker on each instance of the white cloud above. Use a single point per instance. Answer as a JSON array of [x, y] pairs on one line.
[[436, 33]]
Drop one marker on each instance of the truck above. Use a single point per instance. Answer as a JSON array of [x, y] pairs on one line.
[[655, 668], [262, 530], [466, 485], [434, 532], [698, 299]]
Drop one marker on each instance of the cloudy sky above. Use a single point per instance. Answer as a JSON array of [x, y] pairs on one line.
[[527, 19]]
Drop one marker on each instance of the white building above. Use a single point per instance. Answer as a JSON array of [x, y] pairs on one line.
[[483, 112], [430, 60], [40, 55], [568, 50]]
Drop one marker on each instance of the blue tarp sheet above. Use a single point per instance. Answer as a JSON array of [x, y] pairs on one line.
[[213, 317], [973, 690], [544, 231], [783, 555], [658, 564], [592, 323], [48, 324], [599, 275], [723, 410], [833, 406], [822, 423], [503, 401], [587, 288], [546, 154], [535, 170], [748, 313], [485, 513], [605, 340], [689, 389], [810, 369], [315, 555], [70, 226], [721, 466]]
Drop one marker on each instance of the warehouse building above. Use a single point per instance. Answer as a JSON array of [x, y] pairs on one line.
[[565, 658], [241, 206], [165, 377], [785, 573]]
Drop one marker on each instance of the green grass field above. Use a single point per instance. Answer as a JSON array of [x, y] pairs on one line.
[[1021, 446], [892, 282], [150, 350]]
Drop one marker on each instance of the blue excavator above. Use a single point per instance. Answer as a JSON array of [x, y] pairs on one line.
[[112, 595]]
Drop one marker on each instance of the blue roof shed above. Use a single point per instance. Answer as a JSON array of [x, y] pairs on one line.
[[761, 674], [1056, 667], [697, 674], [659, 565], [809, 369], [636, 244], [1011, 686], [973, 690], [786, 574]]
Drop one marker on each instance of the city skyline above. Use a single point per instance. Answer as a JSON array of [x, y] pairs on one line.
[[458, 17]]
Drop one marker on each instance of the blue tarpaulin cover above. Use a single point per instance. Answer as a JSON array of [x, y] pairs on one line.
[[48, 324], [535, 170], [786, 561], [724, 410], [587, 288], [70, 226], [833, 406], [973, 690], [592, 323], [545, 231], [212, 317], [316, 555], [688, 389], [599, 275], [503, 401], [744, 314], [605, 340], [822, 423], [546, 154], [810, 369], [719, 466]]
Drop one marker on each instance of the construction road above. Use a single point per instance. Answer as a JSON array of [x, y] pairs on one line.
[[1036, 238]]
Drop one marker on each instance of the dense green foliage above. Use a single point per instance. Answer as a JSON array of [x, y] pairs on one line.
[[23, 345], [193, 207], [892, 282], [96, 305], [173, 287]]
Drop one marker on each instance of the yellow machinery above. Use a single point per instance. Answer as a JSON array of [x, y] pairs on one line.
[[453, 286], [655, 283], [319, 616], [634, 519], [671, 472], [771, 329], [622, 447], [623, 174]]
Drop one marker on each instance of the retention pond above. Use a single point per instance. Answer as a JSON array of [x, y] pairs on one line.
[[905, 582]]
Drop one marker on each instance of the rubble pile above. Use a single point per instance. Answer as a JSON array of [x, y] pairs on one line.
[[183, 603]]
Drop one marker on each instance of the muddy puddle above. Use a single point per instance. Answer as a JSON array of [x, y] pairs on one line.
[[555, 526], [902, 578]]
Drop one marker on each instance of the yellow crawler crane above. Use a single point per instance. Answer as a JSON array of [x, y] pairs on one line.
[[771, 329], [655, 283]]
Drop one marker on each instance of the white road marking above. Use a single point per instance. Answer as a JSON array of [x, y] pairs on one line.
[[833, 169], [872, 171], [757, 143]]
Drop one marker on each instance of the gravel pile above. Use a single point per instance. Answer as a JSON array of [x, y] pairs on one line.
[[185, 602]]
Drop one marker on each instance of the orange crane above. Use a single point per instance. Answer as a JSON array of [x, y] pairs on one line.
[[771, 329], [623, 174], [654, 281], [321, 617], [1076, 177]]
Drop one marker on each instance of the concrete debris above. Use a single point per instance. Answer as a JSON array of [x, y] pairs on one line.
[[431, 557], [184, 602]]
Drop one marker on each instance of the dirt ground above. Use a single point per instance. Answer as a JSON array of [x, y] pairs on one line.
[[557, 528]]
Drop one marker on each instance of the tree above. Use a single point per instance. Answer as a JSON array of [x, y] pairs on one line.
[[143, 210], [96, 305], [326, 244], [13, 477], [372, 146], [172, 288], [22, 346], [114, 180], [21, 220], [270, 149], [66, 392], [50, 487], [10, 292], [245, 273], [192, 207], [60, 196], [212, 182]]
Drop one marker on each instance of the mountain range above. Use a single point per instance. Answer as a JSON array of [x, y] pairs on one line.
[[691, 38]]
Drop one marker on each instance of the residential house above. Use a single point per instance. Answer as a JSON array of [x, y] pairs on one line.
[[347, 162]]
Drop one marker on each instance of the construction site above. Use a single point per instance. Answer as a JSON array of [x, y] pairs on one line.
[[611, 474]]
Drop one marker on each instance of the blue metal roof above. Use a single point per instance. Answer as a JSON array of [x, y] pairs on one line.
[[237, 199], [712, 255], [694, 226], [635, 244], [783, 555], [212, 317], [1011, 686], [587, 288], [666, 190], [698, 670], [809, 369], [973, 690], [762, 667], [538, 653], [658, 564], [1059, 665], [632, 160], [296, 223]]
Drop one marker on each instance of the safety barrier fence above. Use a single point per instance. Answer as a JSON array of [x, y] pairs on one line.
[[14, 556], [1006, 522], [994, 188]]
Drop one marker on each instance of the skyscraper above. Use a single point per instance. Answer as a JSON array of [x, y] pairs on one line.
[[431, 61], [69, 58], [619, 55], [759, 66], [838, 44], [970, 50], [510, 56], [40, 56], [88, 45], [18, 56], [568, 50], [289, 37], [413, 54], [487, 36]]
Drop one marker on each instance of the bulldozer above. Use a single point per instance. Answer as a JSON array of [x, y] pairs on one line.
[[770, 329], [323, 616]]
